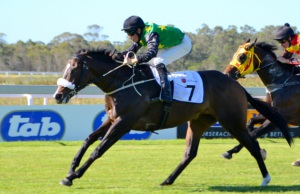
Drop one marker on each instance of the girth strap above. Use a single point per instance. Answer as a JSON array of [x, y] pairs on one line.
[[165, 114]]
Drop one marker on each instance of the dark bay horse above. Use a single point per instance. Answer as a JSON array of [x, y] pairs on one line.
[[129, 90], [278, 78]]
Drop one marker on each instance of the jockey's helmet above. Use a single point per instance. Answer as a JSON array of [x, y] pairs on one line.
[[132, 23], [284, 32]]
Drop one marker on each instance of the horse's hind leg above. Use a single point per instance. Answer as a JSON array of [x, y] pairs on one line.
[[197, 127], [100, 132], [250, 127]]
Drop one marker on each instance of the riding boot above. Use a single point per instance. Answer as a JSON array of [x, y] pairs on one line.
[[166, 93]]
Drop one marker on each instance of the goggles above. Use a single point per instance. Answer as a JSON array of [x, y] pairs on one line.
[[130, 32], [282, 41]]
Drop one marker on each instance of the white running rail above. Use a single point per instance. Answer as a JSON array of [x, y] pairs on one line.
[[30, 97]]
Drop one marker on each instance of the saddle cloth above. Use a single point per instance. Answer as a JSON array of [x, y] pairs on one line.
[[188, 86]]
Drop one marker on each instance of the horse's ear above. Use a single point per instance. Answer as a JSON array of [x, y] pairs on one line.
[[82, 51], [248, 47], [255, 40], [247, 41], [253, 43]]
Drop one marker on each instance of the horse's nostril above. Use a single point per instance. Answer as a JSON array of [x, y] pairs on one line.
[[58, 96]]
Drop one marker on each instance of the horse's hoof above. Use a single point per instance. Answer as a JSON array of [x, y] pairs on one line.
[[296, 163], [266, 180], [226, 155], [66, 182], [165, 183]]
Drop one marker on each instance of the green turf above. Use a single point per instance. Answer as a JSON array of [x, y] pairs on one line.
[[140, 166]]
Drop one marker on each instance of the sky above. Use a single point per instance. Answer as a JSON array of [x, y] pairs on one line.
[[42, 20]]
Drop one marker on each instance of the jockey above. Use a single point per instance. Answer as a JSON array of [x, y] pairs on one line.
[[291, 43], [165, 44]]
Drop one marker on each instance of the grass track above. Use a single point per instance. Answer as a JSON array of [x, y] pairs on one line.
[[140, 166]]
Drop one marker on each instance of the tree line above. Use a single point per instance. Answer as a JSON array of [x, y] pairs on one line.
[[213, 48]]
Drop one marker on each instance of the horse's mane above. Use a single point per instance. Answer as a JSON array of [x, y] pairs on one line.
[[270, 48], [267, 47], [103, 54]]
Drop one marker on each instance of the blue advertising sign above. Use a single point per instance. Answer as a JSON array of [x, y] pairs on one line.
[[132, 135], [32, 125]]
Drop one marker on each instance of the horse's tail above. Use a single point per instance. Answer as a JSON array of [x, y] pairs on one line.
[[272, 115]]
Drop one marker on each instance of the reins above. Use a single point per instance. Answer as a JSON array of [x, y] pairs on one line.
[[123, 63], [133, 84], [274, 87], [130, 85]]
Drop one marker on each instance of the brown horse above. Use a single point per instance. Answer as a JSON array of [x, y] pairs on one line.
[[279, 79], [128, 103]]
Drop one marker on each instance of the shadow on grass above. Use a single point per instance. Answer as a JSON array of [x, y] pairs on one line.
[[246, 189], [61, 143]]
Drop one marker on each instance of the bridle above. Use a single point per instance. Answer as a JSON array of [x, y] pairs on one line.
[[82, 74], [76, 87], [265, 62], [246, 66], [262, 63]]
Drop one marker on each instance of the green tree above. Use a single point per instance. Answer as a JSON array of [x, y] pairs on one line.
[[212, 48], [94, 33], [2, 38]]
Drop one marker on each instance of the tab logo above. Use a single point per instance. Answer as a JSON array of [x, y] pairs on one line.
[[41, 125]]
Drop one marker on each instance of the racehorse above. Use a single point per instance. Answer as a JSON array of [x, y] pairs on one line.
[[129, 105], [282, 84]]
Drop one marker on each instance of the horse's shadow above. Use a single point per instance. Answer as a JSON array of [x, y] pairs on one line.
[[247, 189]]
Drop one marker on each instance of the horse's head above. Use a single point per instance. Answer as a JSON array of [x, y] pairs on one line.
[[75, 77], [243, 62], [84, 68]]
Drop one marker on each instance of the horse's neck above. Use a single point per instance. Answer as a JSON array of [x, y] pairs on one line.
[[113, 77], [273, 73]]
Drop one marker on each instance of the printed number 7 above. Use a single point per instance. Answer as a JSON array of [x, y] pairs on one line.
[[192, 91]]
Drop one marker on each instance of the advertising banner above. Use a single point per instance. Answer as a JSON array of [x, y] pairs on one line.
[[61, 122], [216, 131], [76, 122]]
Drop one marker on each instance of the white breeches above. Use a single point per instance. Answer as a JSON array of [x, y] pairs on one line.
[[169, 55]]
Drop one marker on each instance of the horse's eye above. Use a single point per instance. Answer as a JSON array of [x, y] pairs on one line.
[[242, 58], [73, 72]]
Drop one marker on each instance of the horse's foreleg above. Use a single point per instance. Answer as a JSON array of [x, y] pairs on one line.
[[234, 150], [100, 132], [196, 129], [266, 127], [253, 121], [115, 132], [250, 126]]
